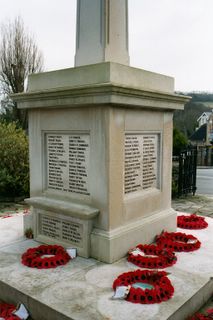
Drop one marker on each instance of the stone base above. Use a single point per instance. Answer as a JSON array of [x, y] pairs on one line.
[[66, 223], [113, 245]]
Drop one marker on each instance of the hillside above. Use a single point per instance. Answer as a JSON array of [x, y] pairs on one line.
[[186, 120]]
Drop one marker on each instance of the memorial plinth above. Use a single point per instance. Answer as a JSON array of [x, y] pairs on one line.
[[101, 155]]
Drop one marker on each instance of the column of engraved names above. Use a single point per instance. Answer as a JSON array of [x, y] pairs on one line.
[[57, 162], [50, 227], [72, 232], [149, 160], [133, 168], [78, 164]]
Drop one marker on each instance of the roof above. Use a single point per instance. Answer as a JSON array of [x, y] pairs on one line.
[[199, 134], [204, 113]]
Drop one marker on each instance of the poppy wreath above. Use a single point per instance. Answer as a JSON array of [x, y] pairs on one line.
[[6, 311], [191, 222], [162, 287], [33, 257], [201, 316], [178, 241], [160, 257]]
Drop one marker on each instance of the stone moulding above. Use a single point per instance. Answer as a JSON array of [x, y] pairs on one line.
[[100, 94], [74, 209]]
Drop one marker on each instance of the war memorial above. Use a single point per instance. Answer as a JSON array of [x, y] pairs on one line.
[[100, 176]]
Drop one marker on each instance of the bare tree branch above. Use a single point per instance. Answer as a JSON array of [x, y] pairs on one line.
[[19, 57]]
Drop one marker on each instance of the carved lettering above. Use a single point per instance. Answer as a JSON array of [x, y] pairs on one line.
[[68, 163], [64, 230], [141, 162]]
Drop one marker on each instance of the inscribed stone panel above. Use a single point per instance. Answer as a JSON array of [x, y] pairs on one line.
[[61, 229], [68, 162], [141, 162]]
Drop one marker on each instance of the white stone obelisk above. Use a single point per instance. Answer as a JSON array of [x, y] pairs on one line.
[[102, 32]]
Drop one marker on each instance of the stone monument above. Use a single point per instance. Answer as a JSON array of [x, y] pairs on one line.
[[101, 142]]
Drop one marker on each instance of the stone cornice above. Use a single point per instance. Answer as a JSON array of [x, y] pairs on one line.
[[81, 211], [99, 94]]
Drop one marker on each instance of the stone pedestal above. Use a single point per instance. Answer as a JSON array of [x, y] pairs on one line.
[[100, 154]]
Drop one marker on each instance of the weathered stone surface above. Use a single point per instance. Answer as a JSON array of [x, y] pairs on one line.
[[82, 289]]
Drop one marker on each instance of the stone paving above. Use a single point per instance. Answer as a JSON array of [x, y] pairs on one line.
[[199, 204], [82, 289]]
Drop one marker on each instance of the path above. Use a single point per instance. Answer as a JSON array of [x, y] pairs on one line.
[[205, 181]]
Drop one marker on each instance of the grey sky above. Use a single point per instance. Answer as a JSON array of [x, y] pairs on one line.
[[172, 37]]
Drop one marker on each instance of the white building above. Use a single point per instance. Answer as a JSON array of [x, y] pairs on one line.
[[204, 118]]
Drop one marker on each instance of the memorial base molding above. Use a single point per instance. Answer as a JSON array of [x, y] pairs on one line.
[[64, 223], [110, 246]]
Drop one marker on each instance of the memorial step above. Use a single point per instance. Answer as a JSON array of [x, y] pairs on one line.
[[82, 289]]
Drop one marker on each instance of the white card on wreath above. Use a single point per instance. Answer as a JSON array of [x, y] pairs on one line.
[[21, 312], [121, 292], [72, 252]]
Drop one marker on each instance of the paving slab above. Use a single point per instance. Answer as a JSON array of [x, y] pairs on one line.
[[82, 289], [11, 229], [198, 204]]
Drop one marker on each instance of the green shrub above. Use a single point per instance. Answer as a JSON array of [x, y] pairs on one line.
[[179, 142], [175, 175], [14, 162]]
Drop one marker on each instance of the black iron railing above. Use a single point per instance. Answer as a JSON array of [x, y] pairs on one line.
[[187, 171]]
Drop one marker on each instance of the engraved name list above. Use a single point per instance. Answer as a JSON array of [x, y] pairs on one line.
[[67, 162], [140, 162]]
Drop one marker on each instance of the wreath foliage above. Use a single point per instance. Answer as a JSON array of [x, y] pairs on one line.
[[6, 311], [178, 241], [155, 257], [162, 287], [33, 257], [191, 222], [201, 316]]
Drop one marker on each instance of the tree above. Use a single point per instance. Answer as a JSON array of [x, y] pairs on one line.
[[19, 57]]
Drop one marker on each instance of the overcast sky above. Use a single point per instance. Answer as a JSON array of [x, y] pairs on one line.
[[172, 37]]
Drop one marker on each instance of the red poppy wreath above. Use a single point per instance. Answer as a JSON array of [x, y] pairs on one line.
[[178, 241], [6, 311], [151, 256], [38, 257], [191, 222], [200, 316], [145, 286]]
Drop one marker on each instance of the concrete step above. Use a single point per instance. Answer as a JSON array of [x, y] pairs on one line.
[[42, 311]]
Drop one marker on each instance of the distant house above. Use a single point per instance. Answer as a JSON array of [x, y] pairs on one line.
[[203, 136], [203, 119]]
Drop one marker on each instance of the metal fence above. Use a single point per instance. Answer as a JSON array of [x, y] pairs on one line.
[[187, 171]]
